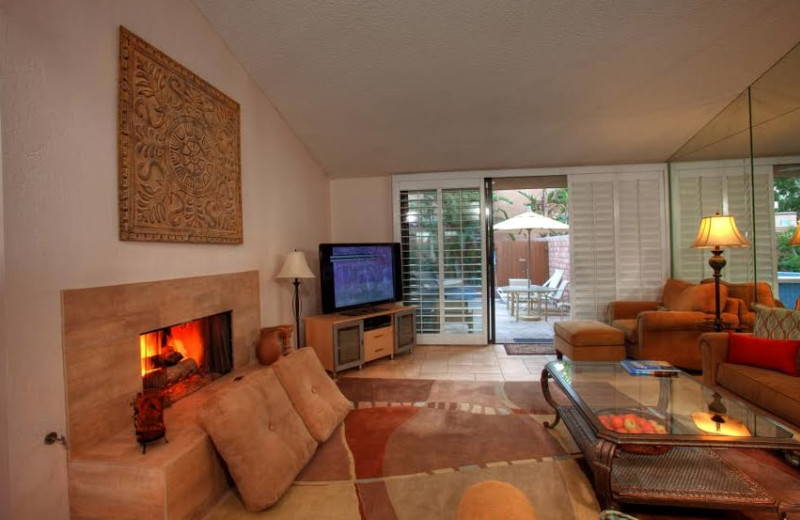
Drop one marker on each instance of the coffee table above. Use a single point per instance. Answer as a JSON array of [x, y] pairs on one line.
[[678, 459]]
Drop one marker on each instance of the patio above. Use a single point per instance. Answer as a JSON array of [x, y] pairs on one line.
[[510, 330]]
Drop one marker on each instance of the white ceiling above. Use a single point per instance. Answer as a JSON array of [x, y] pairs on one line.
[[374, 87]]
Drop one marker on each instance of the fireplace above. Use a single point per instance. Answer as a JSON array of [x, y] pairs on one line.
[[179, 359], [102, 349]]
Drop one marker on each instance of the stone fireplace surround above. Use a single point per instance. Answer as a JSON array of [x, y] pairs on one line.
[[101, 327]]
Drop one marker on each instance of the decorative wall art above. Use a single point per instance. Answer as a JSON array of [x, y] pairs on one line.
[[179, 156]]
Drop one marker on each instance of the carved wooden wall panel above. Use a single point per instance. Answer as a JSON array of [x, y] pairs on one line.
[[179, 155]]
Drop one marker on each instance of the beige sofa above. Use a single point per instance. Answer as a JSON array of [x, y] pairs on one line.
[[774, 391]]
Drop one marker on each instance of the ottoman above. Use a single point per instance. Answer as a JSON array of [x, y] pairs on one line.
[[588, 340]]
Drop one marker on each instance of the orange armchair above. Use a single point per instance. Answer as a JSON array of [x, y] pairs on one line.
[[749, 293], [668, 329]]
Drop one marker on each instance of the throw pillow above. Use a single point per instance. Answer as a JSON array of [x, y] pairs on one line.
[[776, 322], [700, 298], [259, 435], [775, 354], [315, 396]]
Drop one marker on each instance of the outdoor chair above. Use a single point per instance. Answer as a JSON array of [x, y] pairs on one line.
[[554, 279], [558, 300]]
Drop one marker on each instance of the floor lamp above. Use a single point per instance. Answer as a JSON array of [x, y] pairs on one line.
[[296, 267], [718, 233]]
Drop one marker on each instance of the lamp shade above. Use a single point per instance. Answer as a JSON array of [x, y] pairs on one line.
[[795, 240], [295, 266], [719, 232]]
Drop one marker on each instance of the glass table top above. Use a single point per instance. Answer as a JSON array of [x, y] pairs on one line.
[[674, 408]]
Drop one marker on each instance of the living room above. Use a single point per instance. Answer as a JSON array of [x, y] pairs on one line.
[[59, 212]]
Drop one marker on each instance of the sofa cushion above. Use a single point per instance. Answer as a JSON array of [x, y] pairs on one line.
[[628, 328], [699, 298], [588, 332], [314, 395], [773, 391], [259, 435], [744, 291], [672, 290], [775, 354]]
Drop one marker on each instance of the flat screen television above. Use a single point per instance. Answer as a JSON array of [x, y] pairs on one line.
[[356, 277]]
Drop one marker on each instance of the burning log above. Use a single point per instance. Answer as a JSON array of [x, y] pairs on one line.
[[157, 379], [181, 371], [166, 358]]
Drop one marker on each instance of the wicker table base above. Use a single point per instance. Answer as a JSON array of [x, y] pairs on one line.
[[681, 476]]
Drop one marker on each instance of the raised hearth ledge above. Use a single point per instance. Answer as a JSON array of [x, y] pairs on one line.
[[101, 327], [179, 479]]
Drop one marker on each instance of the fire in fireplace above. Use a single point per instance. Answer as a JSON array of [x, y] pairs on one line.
[[179, 359]]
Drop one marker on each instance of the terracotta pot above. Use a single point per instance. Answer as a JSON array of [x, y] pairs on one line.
[[274, 342], [269, 346]]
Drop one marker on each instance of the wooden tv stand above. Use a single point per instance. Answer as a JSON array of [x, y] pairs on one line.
[[346, 341]]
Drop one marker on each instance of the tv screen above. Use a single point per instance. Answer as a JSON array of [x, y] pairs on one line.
[[354, 276]]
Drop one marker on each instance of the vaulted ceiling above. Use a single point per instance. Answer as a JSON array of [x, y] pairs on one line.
[[374, 87]]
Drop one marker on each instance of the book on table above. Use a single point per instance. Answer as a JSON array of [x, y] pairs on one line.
[[647, 367]]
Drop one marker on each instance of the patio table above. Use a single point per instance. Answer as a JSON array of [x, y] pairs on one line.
[[533, 293]]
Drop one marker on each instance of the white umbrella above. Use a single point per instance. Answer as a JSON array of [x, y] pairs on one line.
[[530, 221]]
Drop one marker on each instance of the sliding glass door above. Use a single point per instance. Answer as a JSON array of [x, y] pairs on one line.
[[442, 240]]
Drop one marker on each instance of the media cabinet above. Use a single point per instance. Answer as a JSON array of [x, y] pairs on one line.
[[344, 341]]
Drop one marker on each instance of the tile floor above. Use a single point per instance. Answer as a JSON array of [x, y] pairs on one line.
[[462, 363]]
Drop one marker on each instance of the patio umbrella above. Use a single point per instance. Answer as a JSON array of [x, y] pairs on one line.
[[530, 221]]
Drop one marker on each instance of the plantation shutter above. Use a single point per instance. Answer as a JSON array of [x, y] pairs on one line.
[[702, 188], [618, 239], [442, 241], [591, 215]]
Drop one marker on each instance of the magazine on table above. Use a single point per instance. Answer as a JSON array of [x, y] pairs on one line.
[[646, 367]]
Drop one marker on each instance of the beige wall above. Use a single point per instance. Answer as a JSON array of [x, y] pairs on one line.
[[5, 477], [59, 174], [361, 210]]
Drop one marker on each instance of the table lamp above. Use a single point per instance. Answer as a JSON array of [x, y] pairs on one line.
[[718, 232], [295, 266]]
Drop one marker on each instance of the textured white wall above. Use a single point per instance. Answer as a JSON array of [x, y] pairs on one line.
[[361, 209], [59, 173]]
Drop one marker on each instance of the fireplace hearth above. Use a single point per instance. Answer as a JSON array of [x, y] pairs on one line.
[[103, 369]]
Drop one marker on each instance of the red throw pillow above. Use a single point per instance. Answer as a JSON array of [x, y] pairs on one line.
[[775, 354]]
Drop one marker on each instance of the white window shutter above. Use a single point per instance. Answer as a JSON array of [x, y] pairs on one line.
[[701, 188], [618, 230]]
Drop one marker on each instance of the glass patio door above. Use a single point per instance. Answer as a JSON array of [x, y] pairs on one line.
[[442, 240]]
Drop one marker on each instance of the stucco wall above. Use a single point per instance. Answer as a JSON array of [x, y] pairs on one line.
[[361, 210], [60, 222]]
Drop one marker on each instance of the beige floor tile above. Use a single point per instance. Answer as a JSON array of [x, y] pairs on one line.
[[489, 377], [429, 368], [469, 369], [520, 377], [513, 367]]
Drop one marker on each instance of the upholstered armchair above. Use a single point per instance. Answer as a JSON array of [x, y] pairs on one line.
[[749, 293], [668, 329]]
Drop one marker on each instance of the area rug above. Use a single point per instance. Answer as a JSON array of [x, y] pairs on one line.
[[409, 449], [526, 349]]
